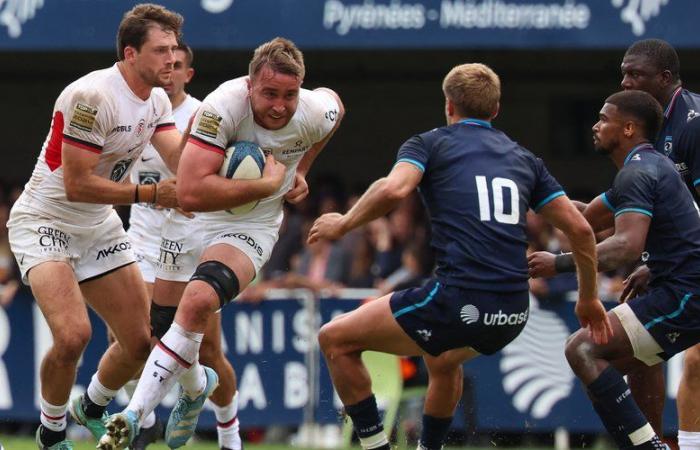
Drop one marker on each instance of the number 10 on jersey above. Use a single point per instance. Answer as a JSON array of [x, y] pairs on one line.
[[498, 185]]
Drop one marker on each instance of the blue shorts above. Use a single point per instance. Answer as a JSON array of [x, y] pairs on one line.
[[671, 316], [441, 318]]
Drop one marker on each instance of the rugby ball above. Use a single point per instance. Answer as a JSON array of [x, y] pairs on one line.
[[243, 160]]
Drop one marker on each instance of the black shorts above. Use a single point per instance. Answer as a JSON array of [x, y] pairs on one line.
[[441, 318], [671, 315]]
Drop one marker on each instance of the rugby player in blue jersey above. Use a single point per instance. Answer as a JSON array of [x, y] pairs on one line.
[[477, 185], [656, 221], [653, 66]]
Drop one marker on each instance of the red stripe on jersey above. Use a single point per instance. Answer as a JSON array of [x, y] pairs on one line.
[[206, 145], [85, 145], [164, 126], [179, 359], [53, 149]]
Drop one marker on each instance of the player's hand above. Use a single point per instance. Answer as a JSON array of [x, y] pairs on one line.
[[326, 227], [165, 195], [541, 265], [592, 315], [300, 190], [636, 284], [273, 173]]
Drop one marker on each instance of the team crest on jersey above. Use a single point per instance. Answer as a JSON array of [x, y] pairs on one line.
[[208, 124], [140, 127], [149, 177], [692, 114], [83, 117], [120, 169], [668, 145]]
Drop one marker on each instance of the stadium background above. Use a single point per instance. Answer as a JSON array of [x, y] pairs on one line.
[[557, 61]]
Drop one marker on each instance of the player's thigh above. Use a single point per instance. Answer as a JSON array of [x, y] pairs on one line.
[[370, 327], [167, 292], [120, 298], [58, 295], [691, 365], [450, 360]]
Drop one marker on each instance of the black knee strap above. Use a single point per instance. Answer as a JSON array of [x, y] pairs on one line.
[[161, 319], [220, 277]]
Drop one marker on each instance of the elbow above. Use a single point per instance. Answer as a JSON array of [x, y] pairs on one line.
[[72, 191], [394, 192], [187, 199], [581, 231]]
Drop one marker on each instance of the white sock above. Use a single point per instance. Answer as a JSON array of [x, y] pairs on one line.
[[194, 380], [53, 417], [150, 419], [168, 360], [374, 441], [227, 425], [98, 393], [688, 440]]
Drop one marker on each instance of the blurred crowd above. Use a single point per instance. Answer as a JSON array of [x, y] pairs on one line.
[[388, 254]]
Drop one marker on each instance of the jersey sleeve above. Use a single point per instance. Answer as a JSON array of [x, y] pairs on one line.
[[546, 188], [210, 130], [688, 148], [632, 191], [414, 151], [87, 118], [324, 113], [166, 120]]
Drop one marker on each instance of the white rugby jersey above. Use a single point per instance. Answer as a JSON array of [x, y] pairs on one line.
[[146, 220], [226, 116], [98, 113]]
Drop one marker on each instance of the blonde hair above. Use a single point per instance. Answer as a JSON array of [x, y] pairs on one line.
[[474, 89], [280, 55]]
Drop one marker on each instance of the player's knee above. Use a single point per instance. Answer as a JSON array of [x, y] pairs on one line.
[[577, 350], [161, 319], [137, 346], [71, 341], [329, 337], [220, 278], [691, 366]]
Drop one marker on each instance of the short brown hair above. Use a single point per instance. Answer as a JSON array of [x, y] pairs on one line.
[[474, 89], [189, 54], [280, 55], [135, 24]]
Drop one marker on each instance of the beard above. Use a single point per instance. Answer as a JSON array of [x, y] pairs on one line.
[[604, 149], [152, 78]]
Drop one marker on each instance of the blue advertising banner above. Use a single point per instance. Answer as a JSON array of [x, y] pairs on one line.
[[369, 24], [526, 387]]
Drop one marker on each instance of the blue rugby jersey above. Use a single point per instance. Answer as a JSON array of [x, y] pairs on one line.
[[477, 186], [649, 184]]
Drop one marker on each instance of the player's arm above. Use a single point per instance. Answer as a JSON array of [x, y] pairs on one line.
[[564, 215], [201, 188], [169, 143], [380, 198], [82, 185], [300, 189]]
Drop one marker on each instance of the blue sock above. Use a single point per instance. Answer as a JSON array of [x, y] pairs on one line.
[[434, 431], [367, 424], [618, 411]]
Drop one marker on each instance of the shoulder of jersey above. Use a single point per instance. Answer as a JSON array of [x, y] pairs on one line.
[[230, 99]]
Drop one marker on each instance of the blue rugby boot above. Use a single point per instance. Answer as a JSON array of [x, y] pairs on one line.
[[62, 445], [183, 418], [77, 412]]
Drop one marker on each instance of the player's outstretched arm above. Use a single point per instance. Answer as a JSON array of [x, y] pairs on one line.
[[201, 188], [563, 214], [381, 197], [82, 185]]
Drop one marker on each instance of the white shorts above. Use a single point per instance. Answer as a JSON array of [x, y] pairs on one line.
[[146, 252], [184, 240], [91, 250], [645, 347]]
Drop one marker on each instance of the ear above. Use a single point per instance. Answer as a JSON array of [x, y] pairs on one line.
[[629, 129], [449, 107], [666, 78], [190, 74], [495, 113], [249, 84], [129, 53]]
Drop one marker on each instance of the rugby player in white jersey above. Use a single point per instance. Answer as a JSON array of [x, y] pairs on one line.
[[292, 125], [160, 271], [68, 240]]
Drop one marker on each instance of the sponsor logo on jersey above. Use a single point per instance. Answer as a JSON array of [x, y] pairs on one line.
[[83, 117], [672, 337], [121, 129], [116, 248], [51, 239], [208, 124], [169, 252], [425, 334], [331, 115], [247, 239], [668, 145], [120, 169], [692, 114]]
